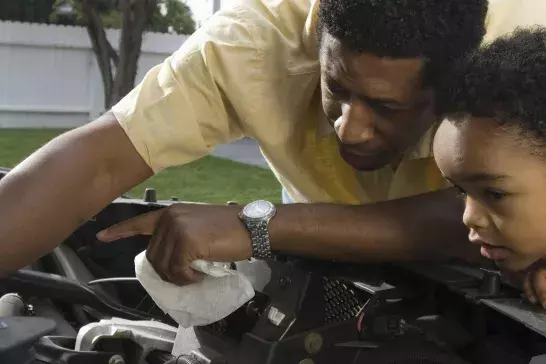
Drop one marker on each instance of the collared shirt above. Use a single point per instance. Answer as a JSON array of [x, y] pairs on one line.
[[253, 71], [505, 16]]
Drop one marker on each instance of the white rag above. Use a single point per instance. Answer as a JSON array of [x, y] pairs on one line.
[[220, 293]]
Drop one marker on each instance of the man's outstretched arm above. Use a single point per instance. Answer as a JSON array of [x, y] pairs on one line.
[[180, 110], [63, 184], [423, 227], [427, 226]]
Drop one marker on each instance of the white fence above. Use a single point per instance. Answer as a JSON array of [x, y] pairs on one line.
[[49, 76]]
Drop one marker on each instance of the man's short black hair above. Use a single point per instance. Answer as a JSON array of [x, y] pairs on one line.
[[437, 30], [505, 81]]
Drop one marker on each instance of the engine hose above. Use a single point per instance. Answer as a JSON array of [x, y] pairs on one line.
[[55, 287], [183, 359], [12, 304]]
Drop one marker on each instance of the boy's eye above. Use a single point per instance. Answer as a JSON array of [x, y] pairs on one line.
[[493, 194]]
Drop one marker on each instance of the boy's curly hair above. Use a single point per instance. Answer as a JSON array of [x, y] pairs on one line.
[[504, 80]]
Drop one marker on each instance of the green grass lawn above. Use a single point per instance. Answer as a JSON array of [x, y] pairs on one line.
[[209, 179]]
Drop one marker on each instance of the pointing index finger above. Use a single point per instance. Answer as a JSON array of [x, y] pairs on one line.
[[144, 224]]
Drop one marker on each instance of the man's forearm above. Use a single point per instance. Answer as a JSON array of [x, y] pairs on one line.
[[424, 227], [55, 190]]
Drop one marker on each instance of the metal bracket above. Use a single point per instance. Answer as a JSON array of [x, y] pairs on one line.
[[149, 335]]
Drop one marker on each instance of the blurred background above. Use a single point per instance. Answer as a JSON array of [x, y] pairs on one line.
[[60, 62]]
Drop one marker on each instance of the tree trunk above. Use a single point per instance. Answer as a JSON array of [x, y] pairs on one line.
[[101, 47], [136, 14], [118, 72]]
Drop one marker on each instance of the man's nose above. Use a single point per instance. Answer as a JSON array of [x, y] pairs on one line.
[[474, 216], [355, 123]]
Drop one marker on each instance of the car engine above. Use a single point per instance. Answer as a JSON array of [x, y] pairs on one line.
[[82, 304]]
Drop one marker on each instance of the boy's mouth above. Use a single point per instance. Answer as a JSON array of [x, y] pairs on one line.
[[494, 252], [489, 251]]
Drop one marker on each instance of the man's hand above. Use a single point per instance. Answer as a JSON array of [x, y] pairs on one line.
[[182, 233]]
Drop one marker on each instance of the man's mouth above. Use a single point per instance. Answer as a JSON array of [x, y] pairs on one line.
[[364, 159], [360, 153], [363, 162]]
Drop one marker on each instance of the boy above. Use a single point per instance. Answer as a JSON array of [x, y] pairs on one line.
[[492, 147]]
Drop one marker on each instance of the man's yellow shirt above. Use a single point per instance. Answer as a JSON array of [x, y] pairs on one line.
[[252, 71]]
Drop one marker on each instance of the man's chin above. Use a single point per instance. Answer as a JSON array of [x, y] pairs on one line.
[[366, 164]]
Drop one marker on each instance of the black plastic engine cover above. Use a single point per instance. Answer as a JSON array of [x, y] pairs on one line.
[[18, 335], [60, 350]]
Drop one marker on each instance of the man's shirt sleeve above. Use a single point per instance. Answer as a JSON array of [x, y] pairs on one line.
[[191, 102], [504, 16]]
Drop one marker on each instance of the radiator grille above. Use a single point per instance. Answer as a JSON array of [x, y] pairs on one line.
[[341, 301]]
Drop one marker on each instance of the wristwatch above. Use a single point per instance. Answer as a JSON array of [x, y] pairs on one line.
[[256, 216]]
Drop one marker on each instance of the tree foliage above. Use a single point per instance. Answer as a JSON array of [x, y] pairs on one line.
[[30, 11], [167, 16], [133, 17], [172, 16]]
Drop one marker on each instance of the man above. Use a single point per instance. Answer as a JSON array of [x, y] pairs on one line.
[[257, 70]]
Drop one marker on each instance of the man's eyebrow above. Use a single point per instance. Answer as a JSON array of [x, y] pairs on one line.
[[375, 100], [384, 100], [479, 177]]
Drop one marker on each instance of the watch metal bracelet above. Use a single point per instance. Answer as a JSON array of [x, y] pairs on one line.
[[259, 235]]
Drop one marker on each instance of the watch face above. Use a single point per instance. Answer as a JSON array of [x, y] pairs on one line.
[[258, 209]]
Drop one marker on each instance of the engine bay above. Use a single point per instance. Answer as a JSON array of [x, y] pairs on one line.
[[83, 304]]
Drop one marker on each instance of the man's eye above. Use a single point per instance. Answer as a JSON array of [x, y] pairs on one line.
[[395, 107], [493, 194], [460, 192], [337, 90]]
